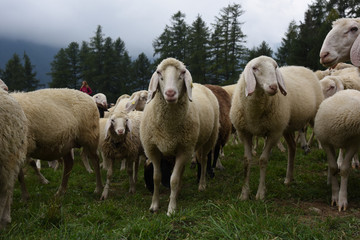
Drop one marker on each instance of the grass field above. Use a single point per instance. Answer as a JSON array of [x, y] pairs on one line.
[[299, 211]]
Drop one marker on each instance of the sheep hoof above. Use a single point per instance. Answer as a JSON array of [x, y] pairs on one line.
[[153, 209], [44, 181], [244, 195], [171, 212], [202, 187], [287, 181]]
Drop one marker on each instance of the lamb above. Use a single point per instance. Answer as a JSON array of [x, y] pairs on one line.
[[13, 145], [180, 118], [59, 120], [342, 43], [122, 141], [337, 125], [259, 109]]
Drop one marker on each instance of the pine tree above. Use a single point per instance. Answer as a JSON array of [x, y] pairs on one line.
[[73, 57], [227, 43], [284, 51], [31, 82], [142, 71], [198, 48], [262, 50], [13, 74]]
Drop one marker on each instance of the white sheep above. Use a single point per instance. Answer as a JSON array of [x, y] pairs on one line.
[[342, 43], [230, 89], [179, 119], [259, 109], [122, 141], [59, 120], [337, 125], [137, 101], [120, 104], [101, 103], [13, 145]]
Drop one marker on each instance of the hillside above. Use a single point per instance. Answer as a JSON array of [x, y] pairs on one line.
[[40, 55]]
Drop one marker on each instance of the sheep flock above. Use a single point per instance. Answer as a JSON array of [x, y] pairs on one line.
[[178, 122]]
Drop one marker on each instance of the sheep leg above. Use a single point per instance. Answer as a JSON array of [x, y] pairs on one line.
[[333, 170], [344, 173], [303, 142], [68, 165], [123, 165], [247, 140], [42, 179], [210, 162], [5, 216], [85, 161], [290, 140], [175, 180], [355, 161], [203, 162], [130, 171], [217, 162], [270, 142], [24, 192], [156, 160], [95, 162], [109, 174]]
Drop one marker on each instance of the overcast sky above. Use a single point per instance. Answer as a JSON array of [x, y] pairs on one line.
[[138, 22]]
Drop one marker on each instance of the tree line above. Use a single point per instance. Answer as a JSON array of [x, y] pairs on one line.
[[214, 53]]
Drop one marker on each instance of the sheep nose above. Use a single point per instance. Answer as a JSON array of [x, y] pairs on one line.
[[120, 131], [273, 87], [170, 93], [324, 55]]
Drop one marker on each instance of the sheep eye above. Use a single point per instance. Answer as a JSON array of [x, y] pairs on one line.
[[254, 69], [353, 29]]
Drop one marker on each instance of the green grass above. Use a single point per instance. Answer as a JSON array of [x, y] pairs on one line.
[[299, 211]]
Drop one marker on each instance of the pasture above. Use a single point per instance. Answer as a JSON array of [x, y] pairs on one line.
[[299, 211]]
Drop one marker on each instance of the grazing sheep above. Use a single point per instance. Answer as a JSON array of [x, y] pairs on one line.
[[337, 125], [180, 118], [259, 109], [342, 43], [59, 120], [13, 145], [122, 141]]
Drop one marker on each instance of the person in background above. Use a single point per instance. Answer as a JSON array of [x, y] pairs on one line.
[[85, 88]]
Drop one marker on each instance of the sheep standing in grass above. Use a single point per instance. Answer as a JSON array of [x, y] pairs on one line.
[[179, 119], [59, 120], [337, 125], [13, 146], [342, 43], [122, 141], [259, 109]]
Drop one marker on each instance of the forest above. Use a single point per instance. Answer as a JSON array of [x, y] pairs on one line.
[[215, 53]]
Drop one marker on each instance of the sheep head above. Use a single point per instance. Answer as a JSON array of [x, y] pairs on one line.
[[101, 100], [342, 43], [119, 123], [172, 79], [137, 101], [263, 72], [3, 85], [331, 85]]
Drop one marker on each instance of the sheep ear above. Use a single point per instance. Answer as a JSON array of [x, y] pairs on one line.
[[188, 84], [107, 127], [355, 52], [250, 81], [132, 103], [339, 85], [153, 85], [280, 81], [129, 125]]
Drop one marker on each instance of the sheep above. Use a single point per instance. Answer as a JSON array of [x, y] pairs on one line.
[[342, 43], [180, 118], [259, 109], [337, 125], [225, 127], [59, 120], [122, 140], [230, 89], [137, 101], [101, 103], [13, 146], [333, 70], [120, 104]]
